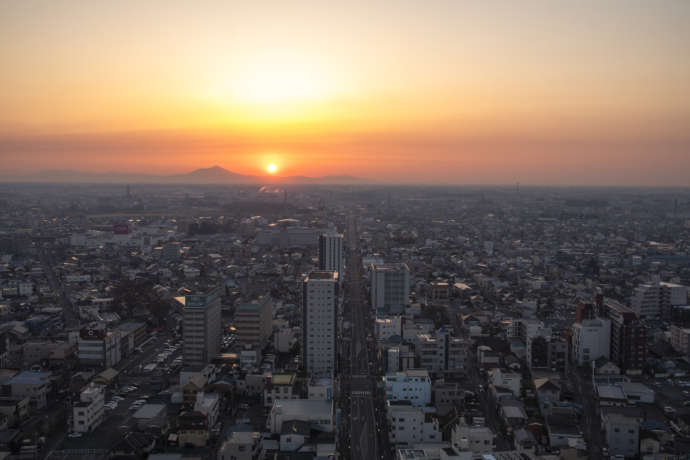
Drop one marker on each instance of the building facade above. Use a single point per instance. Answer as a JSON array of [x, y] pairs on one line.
[[390, 287], [412, 385], [201, 327], [319, 318], [254, 322], [331, 253], [88, 411], [628, 336], [591, 340]]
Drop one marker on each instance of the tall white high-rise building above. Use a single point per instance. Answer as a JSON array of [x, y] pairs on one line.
[[319, 313], [201, 327], [390, 287], [331, 253]]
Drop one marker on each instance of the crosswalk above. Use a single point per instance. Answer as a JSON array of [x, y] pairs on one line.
[[361, 393]]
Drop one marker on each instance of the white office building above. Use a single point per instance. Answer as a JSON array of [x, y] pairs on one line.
[[390, 287], [591, 340], [88, 411], [412, 385], [331, 253], [201, 328], [319, 311]]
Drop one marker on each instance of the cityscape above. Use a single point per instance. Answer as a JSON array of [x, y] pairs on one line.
[[301, 230], [313, 321]]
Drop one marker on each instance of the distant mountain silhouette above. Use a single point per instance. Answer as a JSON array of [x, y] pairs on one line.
[[212, 175]]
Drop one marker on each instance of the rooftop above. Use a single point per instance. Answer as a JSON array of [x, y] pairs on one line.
[[29, 378], [149, 411], [283, 379], [296, 427], [322, 275]]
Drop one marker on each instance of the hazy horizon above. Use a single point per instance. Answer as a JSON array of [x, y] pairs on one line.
[[454, 93]]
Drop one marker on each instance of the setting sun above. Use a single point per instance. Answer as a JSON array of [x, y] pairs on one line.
[[272, 168]]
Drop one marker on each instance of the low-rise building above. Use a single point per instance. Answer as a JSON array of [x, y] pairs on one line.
[[412, 385], [280, 386], [208, 404], [151, 416], [35, 385], [320, 414], [509, 380], [447, 396], [88, 411], [321, 389], [622, 435], [241, 445], [411, 425], [192, 429], [476, 438], [15, 408]]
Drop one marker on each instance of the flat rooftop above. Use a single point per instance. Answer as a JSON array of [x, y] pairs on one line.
[[322, 275]]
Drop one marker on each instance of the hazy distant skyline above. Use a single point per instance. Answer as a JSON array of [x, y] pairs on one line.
[[587, 92]]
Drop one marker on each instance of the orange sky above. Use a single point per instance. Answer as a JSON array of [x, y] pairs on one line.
[[455, 92]]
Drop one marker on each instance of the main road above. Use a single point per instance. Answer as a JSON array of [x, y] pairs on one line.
[[359, 383]]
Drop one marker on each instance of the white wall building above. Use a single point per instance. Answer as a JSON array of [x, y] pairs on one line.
[[646, 301], [591, 340], [88, 411], [652, 300], [412, 385], [319, 318]]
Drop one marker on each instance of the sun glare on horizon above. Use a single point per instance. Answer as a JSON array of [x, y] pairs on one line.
[[272, 168]]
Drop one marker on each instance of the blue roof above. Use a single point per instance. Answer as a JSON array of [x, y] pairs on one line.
[[29, 378]]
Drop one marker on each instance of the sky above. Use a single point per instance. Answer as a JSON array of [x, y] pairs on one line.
[[466, 92]]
